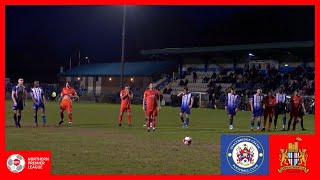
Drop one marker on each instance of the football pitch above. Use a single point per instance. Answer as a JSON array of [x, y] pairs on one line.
[[94, 144]]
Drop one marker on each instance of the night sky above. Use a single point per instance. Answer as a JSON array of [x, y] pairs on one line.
[[40, 39]]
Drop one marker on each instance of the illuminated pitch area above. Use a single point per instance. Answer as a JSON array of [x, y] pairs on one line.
[[94, 144]]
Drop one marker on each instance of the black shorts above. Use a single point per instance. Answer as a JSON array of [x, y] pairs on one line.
[[280, 109], [19, 106]]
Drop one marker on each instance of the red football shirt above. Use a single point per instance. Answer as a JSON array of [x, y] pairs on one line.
[[125, 102], [296, 101], [151, 96], [270, 101], [68, 92]]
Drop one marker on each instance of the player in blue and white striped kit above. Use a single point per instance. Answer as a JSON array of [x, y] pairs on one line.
[[232, 103], [256, 103], [186, 105], [39, 99], [18, 96]]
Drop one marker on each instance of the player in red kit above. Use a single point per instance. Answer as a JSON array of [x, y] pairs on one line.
[[297, 106], [66, 104], [126, 96], [151, 99], [269, 104]]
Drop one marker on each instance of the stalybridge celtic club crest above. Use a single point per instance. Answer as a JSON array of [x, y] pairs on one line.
[[294, 158], [245, 154]]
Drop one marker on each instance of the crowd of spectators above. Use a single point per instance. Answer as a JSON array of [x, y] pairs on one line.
[[251, 79]]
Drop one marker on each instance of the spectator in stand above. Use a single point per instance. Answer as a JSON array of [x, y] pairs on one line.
[[165, 90], [184, 71], [186, 82], [169, 90], [205, 79], [195, 76], [181, 83]]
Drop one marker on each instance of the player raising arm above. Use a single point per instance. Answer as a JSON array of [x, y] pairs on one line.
[[186, 105], [66, 104], [152, 99], [39, 99], [18, 96], [126, 96]]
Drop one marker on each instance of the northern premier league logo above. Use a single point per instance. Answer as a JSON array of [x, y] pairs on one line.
[[244, 154], [16, 163]]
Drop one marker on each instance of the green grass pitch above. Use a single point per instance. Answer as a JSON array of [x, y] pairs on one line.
[[94, 144]]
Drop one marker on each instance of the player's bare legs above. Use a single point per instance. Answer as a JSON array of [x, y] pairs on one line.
[[270, 120]]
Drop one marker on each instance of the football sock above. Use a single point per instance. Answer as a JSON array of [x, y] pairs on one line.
[[120, 119], [252, 124], [259, 122], [231, 121], [294, 124], [61, 116], [275, 121], [44, 119], [154, 122], [284, 120], [148, 122], [289, 123], [187, 121], [19, 118], [15, 119], [70, 117], [35, 117], [181, 118], [302, 123], [264, 121], [270, 122], [129, 119]]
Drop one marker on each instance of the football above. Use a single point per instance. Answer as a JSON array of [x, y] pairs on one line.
[[187, 140]]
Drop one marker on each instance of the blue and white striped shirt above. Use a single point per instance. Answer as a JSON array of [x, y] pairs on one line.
[[37, 94], [186, 100], [257, 101], [280, 98], [232, 101]]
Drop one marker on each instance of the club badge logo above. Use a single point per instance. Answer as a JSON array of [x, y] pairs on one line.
[[16, 163], [293, 158], [245, 154]]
